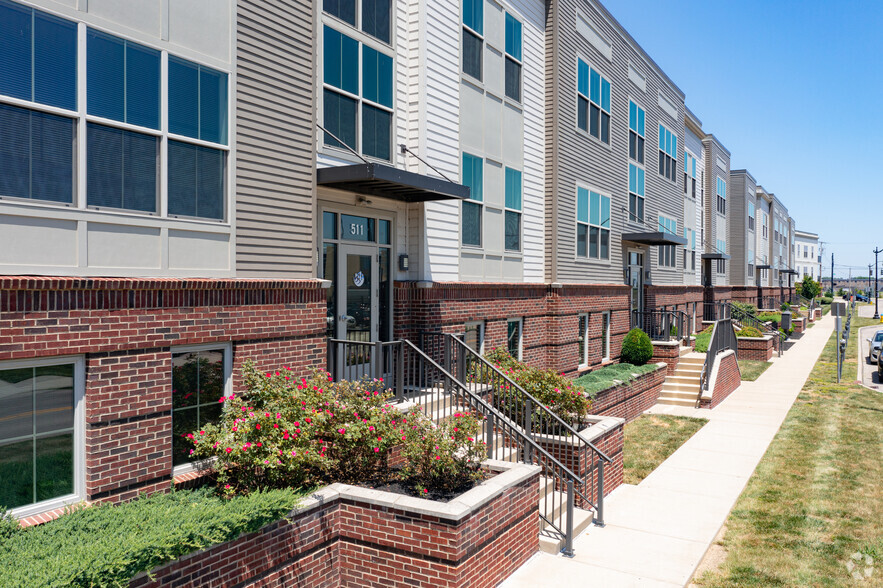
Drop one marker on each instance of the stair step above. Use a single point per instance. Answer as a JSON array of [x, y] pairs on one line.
[[681, 380], [553, 542], [677, 401], [679, 394], [677, 387], [691, 361], [690, 368]]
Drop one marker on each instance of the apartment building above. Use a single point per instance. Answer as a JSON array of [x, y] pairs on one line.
[[807, 255], [743, 228], [694, 199]]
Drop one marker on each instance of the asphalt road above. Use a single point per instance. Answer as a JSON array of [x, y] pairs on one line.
[[869, 374]]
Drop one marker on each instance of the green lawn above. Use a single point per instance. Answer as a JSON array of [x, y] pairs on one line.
[[650, 439], [816, 497], [751, 369]]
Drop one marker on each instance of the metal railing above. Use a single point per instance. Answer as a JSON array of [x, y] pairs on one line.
[[715, 311], [747, 319], [723, 337], [663, 325], [413, 376]]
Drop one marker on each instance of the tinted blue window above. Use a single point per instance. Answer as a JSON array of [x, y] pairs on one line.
[[340, 118], [37, 155], [473, 176], [212, 105], [582, 74], [120, 169], [196, 181], [596, 88], [341, 61], [513, 189], [594, 208], [15, 48], [513, 36], [345, 10], [105, 74], [582, 205], [376, 76], [473, 15], [55, 61], [183, 97], [142, 86], [375, 19], [376, 129], [605, 212], [605, 95]]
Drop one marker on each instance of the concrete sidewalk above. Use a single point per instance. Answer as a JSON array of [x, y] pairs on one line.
[[658, 531]]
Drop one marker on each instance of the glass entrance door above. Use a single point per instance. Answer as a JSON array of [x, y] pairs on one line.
[[636, 282], [358, 292]]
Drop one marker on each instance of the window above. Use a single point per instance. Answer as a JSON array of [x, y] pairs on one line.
[[636, 133], [513, 58], [605, 335], [689, 175], [200, 378], [750, 216], [357, 102], [375, 15], [473, 176], [513, 210], [721, 247], [636, 193], [593, 102], [514, 342], [668, 149], [197, 101], [583, 340], [41, 436], [667, 254], [474, 336], [592, 224], [196, 181], [764, 225], [121, 169], [751, 264], [473, 40], [721, 196]]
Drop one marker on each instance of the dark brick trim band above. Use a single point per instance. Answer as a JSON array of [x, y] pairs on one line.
[[129, 487], [129, 420]]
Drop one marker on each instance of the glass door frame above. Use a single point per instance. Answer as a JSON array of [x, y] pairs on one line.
[[631, 268], [344, 278]]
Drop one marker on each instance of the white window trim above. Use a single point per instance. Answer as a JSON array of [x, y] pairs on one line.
[[519, 211], [480, 327], [517, 103], [584, 360], [520, 322], [589, 258], [79, 448], [586, 133], [227, 346], [605, 341], [674, 157]]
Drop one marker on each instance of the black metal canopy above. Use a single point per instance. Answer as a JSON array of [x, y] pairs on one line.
[[715, 256], [386, 181], [790, 271], [654, 238], [761, 267]]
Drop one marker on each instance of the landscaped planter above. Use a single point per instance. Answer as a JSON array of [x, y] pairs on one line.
[[352, 536], [756, 348], [603, 432], [799, 324], [629, 400]]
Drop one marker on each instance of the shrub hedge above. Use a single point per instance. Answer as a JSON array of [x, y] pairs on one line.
[[749, 332], [637, 349], [105, 545]]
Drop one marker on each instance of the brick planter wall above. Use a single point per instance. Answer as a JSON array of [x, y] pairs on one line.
[[352, 536], [668, 353], [126, 330], [725, 378], [799, 324], [756, 348], [629, 401]]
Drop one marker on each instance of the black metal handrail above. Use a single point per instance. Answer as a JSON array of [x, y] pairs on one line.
[[663, 325], [747, 319], [723, 338], [715, 311], [414, 376]]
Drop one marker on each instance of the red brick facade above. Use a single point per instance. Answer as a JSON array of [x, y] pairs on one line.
[[344, 540], [629, 401], [757, 349], [728, 379], [126, 329], [668, 353]]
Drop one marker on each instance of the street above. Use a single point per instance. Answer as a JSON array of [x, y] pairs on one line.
[[869, 376]]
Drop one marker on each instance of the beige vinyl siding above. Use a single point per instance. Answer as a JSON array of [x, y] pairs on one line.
[[715, 225], [275, 181]]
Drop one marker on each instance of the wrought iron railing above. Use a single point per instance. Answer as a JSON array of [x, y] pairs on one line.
[[723, 337], [747, 319], [663, 325], [413, 376], [715, 311]]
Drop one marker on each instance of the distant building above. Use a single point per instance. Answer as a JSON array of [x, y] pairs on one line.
[[807, 255]]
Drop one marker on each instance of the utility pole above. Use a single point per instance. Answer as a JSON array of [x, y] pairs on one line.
[[869, 282], [832, 274], [876, 277]]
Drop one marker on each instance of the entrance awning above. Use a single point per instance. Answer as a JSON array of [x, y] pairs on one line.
[[762, 267], [654, 238], [715, 256], [790, 271], [385, 181]]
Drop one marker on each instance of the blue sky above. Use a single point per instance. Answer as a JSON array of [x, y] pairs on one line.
[[793, 90]]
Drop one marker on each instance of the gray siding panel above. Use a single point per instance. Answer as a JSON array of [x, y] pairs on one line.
[[275, 149]]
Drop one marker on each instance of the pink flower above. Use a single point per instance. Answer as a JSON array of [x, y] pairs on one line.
[[376, 450], [341, 431], [202, 432], [227, 486], [229, 449]]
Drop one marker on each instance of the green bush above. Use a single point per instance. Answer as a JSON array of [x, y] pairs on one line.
[[827, 299], [767, 317], [745, 307], [106, 545], [444, 458], [9, 525], [703, 339], [749, 332], [557, 393], [636, 347], [809, 288], [785, 306], [610, 376]]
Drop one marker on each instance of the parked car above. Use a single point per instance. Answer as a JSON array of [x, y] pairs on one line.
[[862, 298], [874, 348], [880, 367]]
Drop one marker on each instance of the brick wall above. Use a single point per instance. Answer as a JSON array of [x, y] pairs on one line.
[[127, 329], [728, 379], [799, 324], [629, 401], [347, 539], [668, 353], [758, 349]]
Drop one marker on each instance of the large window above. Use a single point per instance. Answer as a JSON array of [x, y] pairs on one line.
[[605, 335], [721, 191], [513, 210], [689, 175], [39, 456], [667, 254], [668, 153], [352, 95], [636, 193], [583, 340], [371, 16], [513, 57], [200, 378], [473, 335], [473, 176], [592, 224], [473, 37], [750, 216], [592, 102], [636, 133], [125, 139], [514, 335]]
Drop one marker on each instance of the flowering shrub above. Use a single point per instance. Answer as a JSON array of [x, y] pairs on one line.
[[749, 332], [557, 393], [441, 458], [284, 431]]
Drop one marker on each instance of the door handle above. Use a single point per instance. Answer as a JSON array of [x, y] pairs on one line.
[[349, 320]]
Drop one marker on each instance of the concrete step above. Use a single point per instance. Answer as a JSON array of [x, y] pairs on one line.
[[689, 369], [698, 359], [551, 541], [681, 380], [679, 394], [685, 350], [666, 400]]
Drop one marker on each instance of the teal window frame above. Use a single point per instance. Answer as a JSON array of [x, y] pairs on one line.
[[514, 183], [637, 128], [667, 254], [592, 224], [668, 153], [593, 102], [637, 184], [473, 208]]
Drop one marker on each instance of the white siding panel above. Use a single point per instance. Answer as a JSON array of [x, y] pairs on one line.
[[28, 241], [118, 246]]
